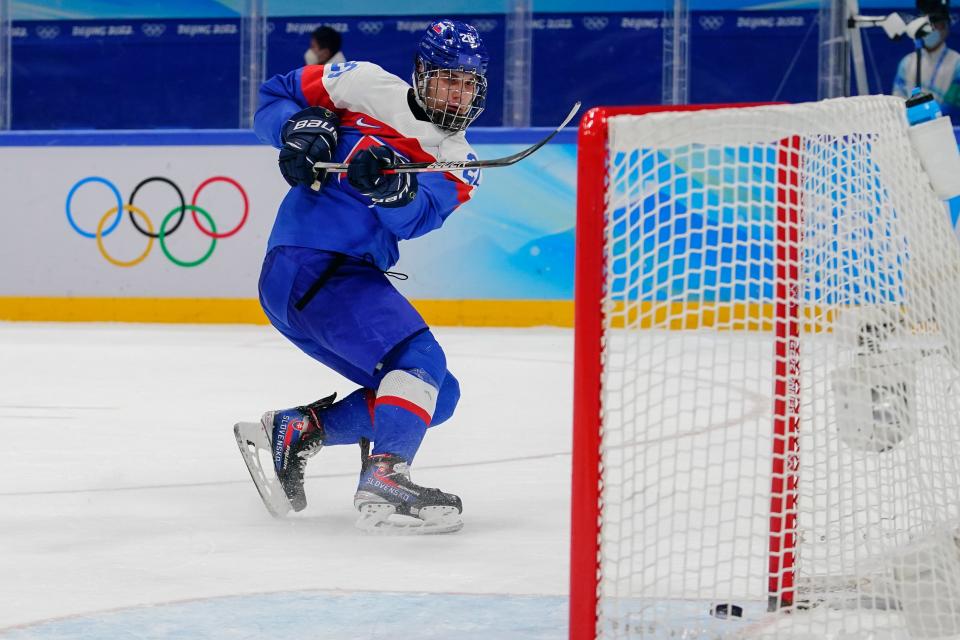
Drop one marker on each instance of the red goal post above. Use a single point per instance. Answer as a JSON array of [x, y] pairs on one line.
[[841, 247], [589, 300], [766, 358]]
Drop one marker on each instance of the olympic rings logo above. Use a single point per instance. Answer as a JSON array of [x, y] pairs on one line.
[[711, 23], [147, 229], [48, 32], [483, 26], [370, 28], [153, 30], [595, 23]]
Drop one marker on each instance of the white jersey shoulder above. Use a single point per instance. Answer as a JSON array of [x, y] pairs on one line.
[[360, 86], [366, 89]]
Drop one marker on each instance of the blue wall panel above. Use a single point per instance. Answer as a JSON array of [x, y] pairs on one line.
[[140, 73], [126, 74], [599, 59]]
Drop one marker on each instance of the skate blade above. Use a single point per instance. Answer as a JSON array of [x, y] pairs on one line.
[[253, 441], [382, 519]]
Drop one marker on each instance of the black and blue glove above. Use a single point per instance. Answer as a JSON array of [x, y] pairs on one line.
[[364, 174], [308, 136]]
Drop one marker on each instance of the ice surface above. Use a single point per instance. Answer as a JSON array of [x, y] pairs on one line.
[[121, 488], [322, 615]]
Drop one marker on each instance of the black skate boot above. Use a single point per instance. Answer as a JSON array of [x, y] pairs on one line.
[[292, 436], [386, 490], [297, 434]]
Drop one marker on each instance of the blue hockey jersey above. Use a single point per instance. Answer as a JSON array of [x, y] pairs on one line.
[[374, 109]]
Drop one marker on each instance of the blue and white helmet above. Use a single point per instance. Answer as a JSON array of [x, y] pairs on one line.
[[450, 74]]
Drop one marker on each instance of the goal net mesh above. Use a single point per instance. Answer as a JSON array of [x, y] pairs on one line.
[[781, 368]]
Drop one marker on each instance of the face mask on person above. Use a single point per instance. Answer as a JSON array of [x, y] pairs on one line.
[[933, 39], [310, 57]]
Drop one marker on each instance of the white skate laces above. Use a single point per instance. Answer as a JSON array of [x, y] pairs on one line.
[[310, 449]]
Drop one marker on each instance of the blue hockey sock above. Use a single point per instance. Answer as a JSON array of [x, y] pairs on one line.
[[398, 432], [349, 419], [405, 404]]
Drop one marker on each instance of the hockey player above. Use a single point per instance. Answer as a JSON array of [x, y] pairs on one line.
[[324, 280]]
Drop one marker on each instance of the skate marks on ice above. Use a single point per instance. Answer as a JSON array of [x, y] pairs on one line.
[[309, 476], [49, 412], [318, 615], [128, 507]]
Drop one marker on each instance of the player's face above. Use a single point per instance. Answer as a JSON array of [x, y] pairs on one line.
[[452, 91]]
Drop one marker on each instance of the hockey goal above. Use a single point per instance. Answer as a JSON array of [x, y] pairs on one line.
[[767, 418]]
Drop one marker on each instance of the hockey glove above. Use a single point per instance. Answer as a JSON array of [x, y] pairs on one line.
[[394, 190], [308, 136]]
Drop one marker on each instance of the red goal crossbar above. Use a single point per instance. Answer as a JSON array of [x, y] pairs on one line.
[[585, 567]]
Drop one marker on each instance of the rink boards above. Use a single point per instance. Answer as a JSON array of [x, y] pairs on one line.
[[506, 258]]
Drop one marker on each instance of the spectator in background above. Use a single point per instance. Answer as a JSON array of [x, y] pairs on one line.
[[939, 68], [324, 47]]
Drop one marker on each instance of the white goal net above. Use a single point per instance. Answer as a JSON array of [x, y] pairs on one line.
[[779, 410]]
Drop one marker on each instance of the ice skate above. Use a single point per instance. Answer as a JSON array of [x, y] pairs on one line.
[[389, 502], [288, 438]]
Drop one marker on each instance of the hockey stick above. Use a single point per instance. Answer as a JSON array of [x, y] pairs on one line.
[[421, 167]]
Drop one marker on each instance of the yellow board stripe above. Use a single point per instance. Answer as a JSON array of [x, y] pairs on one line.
[[496, 313], [191, 310], [463, 313], [469, 313], [728, 316]]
